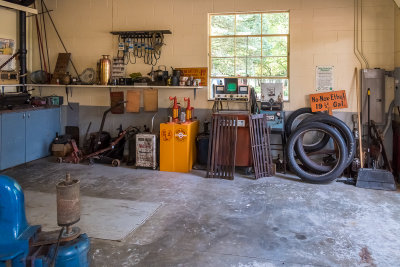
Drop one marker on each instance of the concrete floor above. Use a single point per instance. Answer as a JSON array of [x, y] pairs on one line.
[[211, 222]]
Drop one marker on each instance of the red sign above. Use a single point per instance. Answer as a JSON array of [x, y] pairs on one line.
[[197, 73]]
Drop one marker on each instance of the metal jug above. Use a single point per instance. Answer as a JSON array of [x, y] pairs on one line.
[[105, 69]]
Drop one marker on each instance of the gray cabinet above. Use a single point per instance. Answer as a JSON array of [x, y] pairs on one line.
[[27, 135]]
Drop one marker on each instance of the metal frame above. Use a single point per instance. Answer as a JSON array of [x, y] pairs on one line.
[[222, 147], [209, 63]]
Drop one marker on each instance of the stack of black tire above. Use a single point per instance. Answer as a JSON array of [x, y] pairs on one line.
[[297, 153]]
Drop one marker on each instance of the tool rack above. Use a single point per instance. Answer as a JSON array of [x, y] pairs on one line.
[[143, 34]]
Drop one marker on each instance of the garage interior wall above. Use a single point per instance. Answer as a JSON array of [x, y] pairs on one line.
[[397, 37], [321, 33], [9, 20]]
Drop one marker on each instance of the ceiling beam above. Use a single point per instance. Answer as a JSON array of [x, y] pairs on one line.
[[18, 7]]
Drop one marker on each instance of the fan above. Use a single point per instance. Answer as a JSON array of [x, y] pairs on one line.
[[39, 76], [88, 76]]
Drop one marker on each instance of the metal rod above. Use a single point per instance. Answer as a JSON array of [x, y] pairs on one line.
[[369, 129], [38, 39], [45, 38], [22, 48], [360, 130], [53, 260]]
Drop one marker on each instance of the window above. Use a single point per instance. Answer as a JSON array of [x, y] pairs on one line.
[[253, 47]]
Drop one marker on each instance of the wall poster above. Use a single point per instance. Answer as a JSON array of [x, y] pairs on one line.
[[324, 78], [7, 49]]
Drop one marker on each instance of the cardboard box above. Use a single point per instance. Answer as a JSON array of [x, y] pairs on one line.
[[61, 150]]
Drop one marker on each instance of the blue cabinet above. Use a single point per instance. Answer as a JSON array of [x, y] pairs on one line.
[[27, 135], [12, 139], [41, 128]]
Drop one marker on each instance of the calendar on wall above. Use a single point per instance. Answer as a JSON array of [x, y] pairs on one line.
[[7, 49]]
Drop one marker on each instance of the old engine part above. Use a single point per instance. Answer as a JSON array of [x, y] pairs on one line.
[[26, 245], [68, 202], [88, 76]]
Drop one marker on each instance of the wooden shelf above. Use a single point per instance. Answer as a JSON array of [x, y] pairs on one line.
[[10, 85], [117, 86], [112, 86], [18, 7]]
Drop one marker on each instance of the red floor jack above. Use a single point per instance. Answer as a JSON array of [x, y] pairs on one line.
[[77, 156], [97, 153]]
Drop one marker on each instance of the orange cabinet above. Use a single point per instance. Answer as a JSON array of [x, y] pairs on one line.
[[178, 146]]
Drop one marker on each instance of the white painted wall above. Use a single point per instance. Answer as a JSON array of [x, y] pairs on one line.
[[397, 37], [9, 30], [8, 17]]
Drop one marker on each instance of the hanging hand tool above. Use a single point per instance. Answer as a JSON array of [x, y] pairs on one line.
[[141, 46], [121, 47], [135, 47]]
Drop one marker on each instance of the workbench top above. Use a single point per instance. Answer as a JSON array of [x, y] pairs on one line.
[[26, 108]]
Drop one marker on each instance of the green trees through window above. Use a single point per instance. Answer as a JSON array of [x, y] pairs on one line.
[[253, 47]]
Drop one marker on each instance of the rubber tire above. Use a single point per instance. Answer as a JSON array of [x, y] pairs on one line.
[[288, 129], [345, 132], [335, 172]]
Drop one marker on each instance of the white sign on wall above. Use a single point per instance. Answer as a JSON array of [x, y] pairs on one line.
[[324, 78]]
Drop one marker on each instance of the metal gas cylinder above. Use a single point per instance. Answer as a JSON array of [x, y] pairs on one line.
[[105, 69], [68, 201]]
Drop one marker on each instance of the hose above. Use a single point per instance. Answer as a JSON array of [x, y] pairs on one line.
[[388, 119], [53, 259]]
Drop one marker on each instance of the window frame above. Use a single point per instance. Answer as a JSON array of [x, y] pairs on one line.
[[261, 35]]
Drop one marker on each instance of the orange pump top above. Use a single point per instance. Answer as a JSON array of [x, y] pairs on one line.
[[175, 109], [189, 110]]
